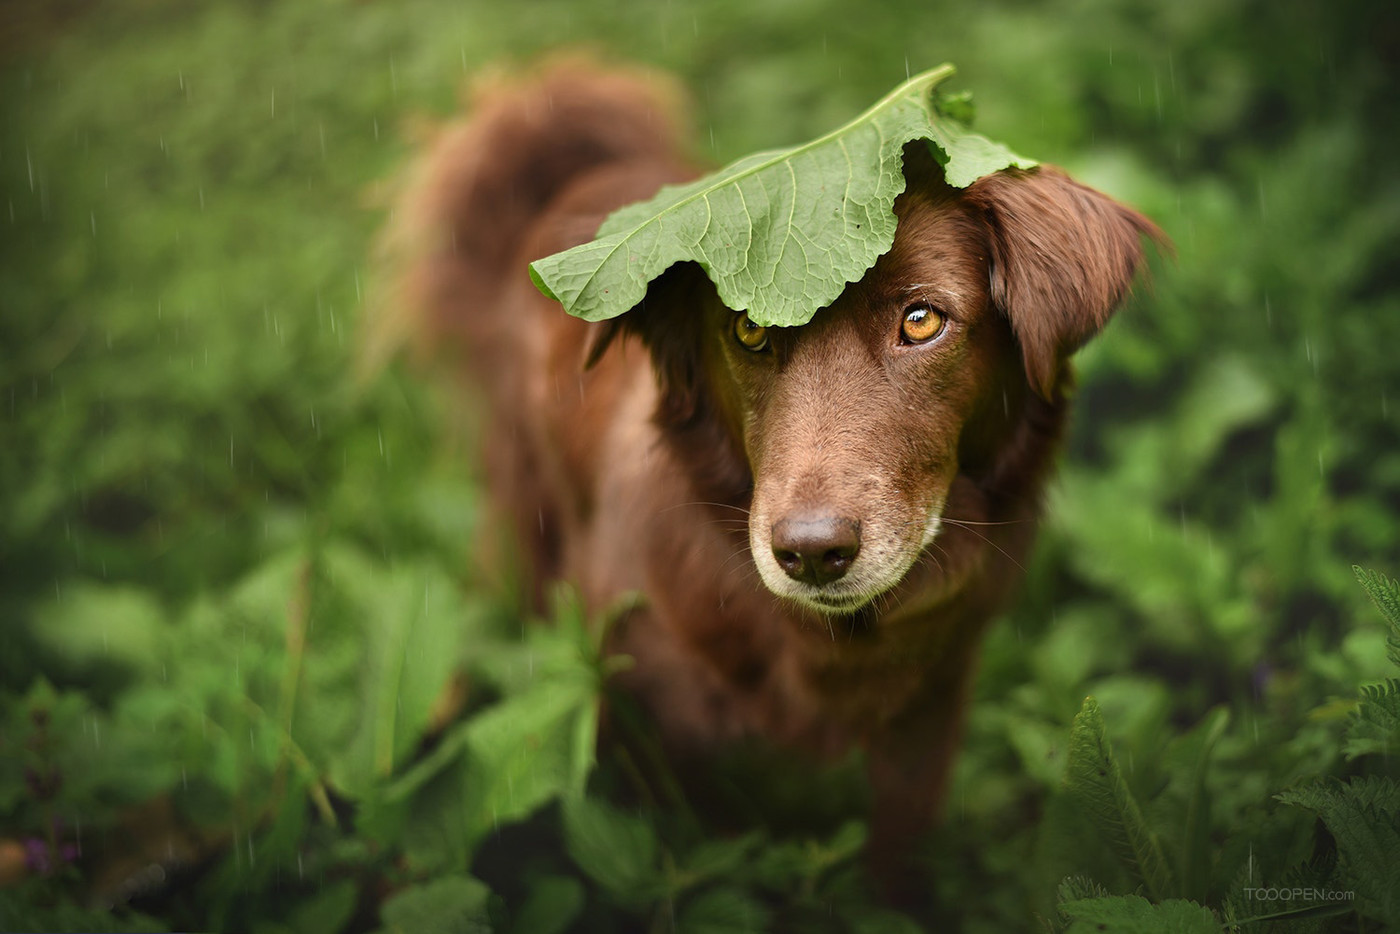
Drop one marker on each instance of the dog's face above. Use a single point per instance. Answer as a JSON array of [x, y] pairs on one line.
[[855, 425]]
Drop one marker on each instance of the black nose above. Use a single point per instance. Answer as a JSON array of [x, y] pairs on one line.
[[816, 549]]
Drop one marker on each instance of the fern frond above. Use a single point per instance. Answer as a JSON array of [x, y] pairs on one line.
[[1095, 782]]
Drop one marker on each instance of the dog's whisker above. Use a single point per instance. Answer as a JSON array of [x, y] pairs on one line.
[[971, 522], [1004, 553], [971, 527], [743, 510]]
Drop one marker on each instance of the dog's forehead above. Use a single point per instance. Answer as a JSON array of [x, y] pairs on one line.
[[938, 238]]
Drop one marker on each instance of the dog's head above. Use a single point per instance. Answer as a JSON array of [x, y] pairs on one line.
[[854, 426]]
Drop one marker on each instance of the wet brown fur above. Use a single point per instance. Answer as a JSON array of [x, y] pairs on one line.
[[637, 471]]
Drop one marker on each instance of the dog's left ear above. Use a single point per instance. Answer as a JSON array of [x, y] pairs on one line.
[[668, 321], [1063, 257]]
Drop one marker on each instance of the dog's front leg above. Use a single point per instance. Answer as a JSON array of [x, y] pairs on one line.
[[909, 765]]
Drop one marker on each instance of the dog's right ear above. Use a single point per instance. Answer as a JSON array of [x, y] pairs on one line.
[[668, 320], [1063, 256]]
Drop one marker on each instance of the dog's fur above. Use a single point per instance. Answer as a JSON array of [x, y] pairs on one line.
[[820, 530]]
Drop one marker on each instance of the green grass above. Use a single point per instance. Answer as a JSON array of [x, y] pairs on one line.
[[235, 580]]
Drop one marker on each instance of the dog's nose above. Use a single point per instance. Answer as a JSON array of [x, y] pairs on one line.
[[816, 549]]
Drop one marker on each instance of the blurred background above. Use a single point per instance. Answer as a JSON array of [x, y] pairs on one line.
[[236, 585]]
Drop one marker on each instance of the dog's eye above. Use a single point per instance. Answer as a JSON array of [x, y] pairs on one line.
[[754, 337], [922, 323]]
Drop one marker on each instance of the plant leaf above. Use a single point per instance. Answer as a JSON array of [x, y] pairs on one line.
[[1077, 888], [1385, 593], [1375, 724], [449, 905], [1363, 816], [616, 850], [723, 910], [1095, 782], [780, 233], [1133, 913], [553, 904], [523, 752]]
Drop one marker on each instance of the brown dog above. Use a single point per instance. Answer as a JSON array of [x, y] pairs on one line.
[[888, 457]]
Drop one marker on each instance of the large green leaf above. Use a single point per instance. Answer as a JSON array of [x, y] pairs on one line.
[[780, 233]]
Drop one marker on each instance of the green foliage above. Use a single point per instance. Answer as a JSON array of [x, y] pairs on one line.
[[1375, 725], [780, 233], [1363, 817], [448, 905], [1131, 914], [1094, 779], [252, 679], [1385, 593], [1355, 876]]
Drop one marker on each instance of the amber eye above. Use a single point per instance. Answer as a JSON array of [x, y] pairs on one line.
[[753, 336], [921, 324]]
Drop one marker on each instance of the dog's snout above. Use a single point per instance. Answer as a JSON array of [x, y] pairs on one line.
[[816, 550]]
